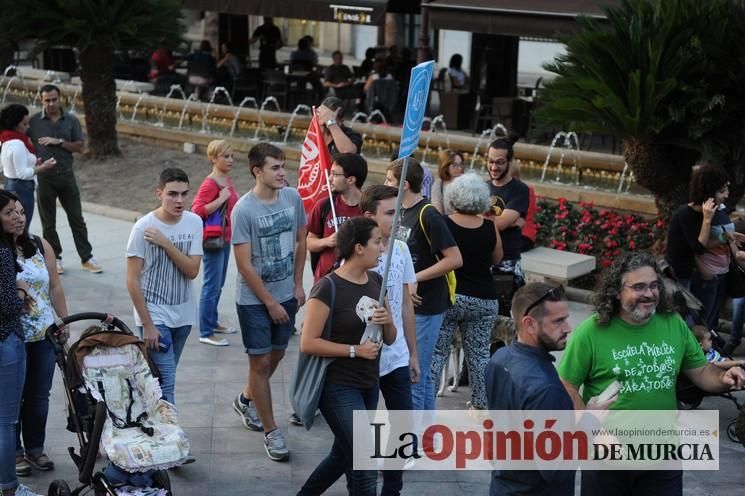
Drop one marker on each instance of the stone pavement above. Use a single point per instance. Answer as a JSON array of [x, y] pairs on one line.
[[231, 459]]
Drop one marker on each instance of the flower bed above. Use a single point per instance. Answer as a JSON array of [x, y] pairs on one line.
[[605, 234]]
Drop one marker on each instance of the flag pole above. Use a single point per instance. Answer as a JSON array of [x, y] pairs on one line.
[[331, 200], [376, 336]]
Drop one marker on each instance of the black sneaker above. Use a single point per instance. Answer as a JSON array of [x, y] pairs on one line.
[[295, 420]]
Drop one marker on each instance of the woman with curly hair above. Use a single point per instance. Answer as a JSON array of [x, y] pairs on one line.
[[698, 240], [450, 166]]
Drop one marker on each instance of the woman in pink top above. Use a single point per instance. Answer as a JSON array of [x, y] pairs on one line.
[[215, 192]]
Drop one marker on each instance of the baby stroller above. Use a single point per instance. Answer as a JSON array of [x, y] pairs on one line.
[[688, 394], [114, 405]]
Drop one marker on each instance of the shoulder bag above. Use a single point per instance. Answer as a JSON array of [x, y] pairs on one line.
[[310, 374]]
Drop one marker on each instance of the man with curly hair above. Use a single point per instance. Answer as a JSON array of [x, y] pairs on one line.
[[633, 330]]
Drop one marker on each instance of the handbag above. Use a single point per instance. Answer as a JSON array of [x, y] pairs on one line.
[[310, 374], [214, 229]]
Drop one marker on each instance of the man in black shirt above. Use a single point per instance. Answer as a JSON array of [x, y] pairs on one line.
[[522, 377], [510, 198], [270, 38], [434, 253]]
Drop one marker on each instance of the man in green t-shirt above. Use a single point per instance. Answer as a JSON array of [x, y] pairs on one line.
[[635, 338]]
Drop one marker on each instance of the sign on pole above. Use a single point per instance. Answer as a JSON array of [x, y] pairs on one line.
[[416, 105]]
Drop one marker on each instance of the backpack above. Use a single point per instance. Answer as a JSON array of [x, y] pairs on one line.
[[325, 209], [450, 276]]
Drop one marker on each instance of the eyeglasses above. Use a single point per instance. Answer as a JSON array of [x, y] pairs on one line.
[[555, 293], [499, 161], [337, 174], [642, 288]]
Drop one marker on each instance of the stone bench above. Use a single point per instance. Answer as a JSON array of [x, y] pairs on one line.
[[542, 263]]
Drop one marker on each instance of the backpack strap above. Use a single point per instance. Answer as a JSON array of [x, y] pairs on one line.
[[327, 329], [421, 224]]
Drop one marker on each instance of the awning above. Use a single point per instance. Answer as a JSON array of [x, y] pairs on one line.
[[538, 18], [371, 12]]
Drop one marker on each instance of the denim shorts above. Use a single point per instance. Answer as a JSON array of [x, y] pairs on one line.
[[260, 334]]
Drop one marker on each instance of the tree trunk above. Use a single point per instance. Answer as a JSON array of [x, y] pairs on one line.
[[663, 170], [99, 99]]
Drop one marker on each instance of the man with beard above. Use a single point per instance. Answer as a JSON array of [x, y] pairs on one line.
[[348, 174], [510, 198], [634, 330], [522, 376]]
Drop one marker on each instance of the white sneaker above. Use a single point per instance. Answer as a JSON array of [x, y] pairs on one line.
[[214, 341], [60, 267]]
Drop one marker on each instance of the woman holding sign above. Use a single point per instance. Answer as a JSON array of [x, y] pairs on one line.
[[348, 297]]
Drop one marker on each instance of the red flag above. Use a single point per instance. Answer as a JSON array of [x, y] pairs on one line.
[[315, 163]]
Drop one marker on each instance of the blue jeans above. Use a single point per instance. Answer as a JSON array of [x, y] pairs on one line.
[[337, 404], [32, 422], [12, 375], [396, 389], [24, 190], [738, 319], [711, 294], [215, 265], [166, 361], [427, 331], [261, 335]]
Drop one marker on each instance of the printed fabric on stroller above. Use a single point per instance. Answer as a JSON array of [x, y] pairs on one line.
[[116, 407]]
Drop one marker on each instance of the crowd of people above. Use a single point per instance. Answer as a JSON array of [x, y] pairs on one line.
[[455, 265]]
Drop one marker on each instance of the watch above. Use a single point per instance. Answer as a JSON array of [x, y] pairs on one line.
[[352, 352], [330, 122], [61, 142]]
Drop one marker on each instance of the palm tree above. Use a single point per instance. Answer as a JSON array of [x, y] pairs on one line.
[[97, 28], [650, 76]]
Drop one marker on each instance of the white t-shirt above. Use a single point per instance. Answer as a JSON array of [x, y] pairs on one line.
[[401, 272], [169, 294]]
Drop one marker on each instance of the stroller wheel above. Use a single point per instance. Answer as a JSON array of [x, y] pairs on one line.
[[161, 480], [732, 432], [59, 488], [684, 405]]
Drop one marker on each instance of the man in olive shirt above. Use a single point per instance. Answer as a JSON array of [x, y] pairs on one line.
[[57, 134]]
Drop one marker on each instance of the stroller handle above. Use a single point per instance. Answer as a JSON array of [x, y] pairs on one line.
[[53, 330]]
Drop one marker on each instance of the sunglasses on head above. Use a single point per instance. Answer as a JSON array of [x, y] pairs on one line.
[[554, 294]]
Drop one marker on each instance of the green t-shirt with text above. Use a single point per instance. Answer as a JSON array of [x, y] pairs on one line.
[[645, 359]]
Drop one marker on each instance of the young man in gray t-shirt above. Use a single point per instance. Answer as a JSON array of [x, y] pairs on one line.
[[269, 229]]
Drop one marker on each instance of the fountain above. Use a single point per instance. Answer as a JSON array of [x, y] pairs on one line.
[[299, 108], [267, 100], [137, 105], [486, 133], [566, 146], [118, 103], [377, 113], [205, 115], [357, 117], [440, 119], [244, 102], [192, 98], [175, 88]]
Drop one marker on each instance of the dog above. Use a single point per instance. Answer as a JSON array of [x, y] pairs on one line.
[[503, 333]]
